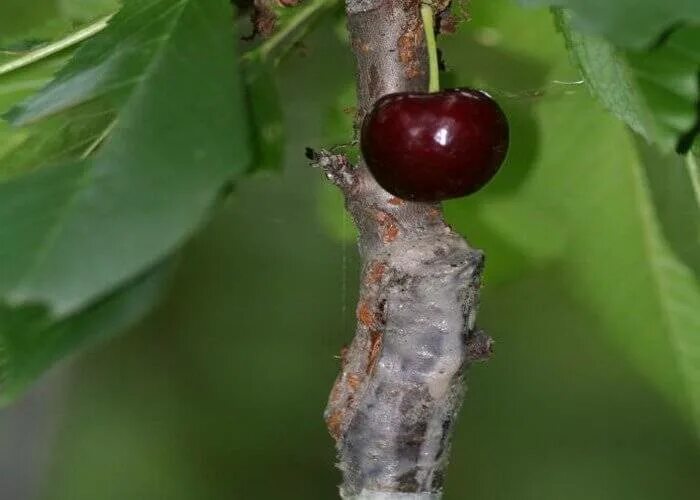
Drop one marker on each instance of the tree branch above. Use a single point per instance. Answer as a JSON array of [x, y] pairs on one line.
[[394, 403]]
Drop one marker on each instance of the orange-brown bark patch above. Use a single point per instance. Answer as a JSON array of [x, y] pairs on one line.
[[334, 421], [364, 314], [335, 393], [343, 355], [375, 347], [353, 381], [434, 213], [390, 228], [391, 233], [409, 44], [376, 271]]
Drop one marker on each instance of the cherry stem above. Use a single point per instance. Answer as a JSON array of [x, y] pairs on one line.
[[426, 12]]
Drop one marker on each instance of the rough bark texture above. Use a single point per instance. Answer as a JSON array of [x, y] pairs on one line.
[[393, 405]]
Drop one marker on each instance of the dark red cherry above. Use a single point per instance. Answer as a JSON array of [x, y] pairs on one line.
[[434, 146]]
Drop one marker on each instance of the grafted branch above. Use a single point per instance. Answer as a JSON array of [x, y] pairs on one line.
[[394, 403]]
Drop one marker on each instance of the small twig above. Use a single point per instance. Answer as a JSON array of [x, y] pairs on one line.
[[337, 167], [479, 346]]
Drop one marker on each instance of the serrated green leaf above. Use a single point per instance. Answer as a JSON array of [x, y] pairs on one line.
[[165, 112], [655, 92], [31, 341], [633, 24]]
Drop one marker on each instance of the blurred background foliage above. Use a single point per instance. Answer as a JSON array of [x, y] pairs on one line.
[[218, 393]]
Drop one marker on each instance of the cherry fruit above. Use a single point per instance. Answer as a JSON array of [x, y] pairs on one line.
[[434, 146]]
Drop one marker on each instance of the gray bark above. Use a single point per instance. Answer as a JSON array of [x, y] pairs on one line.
[[395, 401]]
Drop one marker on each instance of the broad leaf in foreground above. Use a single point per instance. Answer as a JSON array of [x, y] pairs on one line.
[[656, 92], [59, 130], [162, 125], [31, 341]]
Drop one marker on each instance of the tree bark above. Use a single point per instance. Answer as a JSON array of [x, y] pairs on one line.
[[395, 401]]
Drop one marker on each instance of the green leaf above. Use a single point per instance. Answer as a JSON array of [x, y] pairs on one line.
[[162, 122], [586, 206], [616, 258], [58, 139], [30, 341], [629, 23], [655, 92], [672, 183], [17, 86]]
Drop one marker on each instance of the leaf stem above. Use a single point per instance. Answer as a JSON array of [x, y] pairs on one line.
[[302, 15], [55, 47], [428, 16], [99, 140], [694, 173]]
